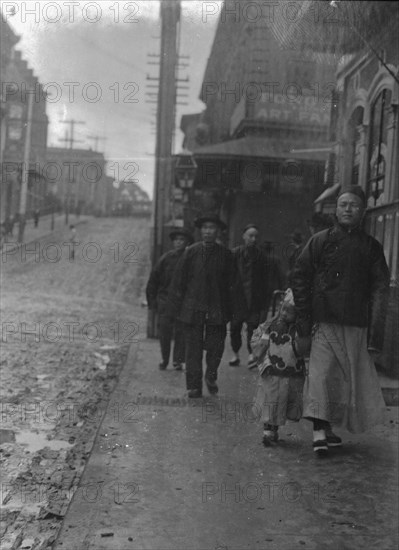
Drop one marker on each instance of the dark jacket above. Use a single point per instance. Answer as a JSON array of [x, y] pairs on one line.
[[160, 280], [342, 277], [201, 287], [250, 281]]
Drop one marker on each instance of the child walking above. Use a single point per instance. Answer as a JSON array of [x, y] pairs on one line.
[[73, 239], [281, 371]]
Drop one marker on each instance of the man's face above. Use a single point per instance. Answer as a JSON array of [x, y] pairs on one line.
[[179, 242], [350, 210], [250, 236], [209, 232]]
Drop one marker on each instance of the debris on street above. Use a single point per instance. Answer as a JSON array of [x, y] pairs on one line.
[[65, 335]]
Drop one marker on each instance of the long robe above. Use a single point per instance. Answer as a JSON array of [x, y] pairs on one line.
[[342, 385]]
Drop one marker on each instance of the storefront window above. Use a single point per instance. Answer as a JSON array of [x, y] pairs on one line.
[[15, 131], [388, 238], [16, 111], [378, 148], [356, 127], [395, 248]]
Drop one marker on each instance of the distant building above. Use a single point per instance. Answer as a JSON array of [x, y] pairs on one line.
[[79, 179], [130, 199], [18, 84], [196, 132], [265, 128]]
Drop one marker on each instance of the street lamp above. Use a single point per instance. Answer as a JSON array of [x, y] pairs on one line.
[[185, 169]]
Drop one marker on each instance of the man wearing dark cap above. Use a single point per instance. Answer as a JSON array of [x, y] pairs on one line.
[[200, 297], [340, 286], [250, 291], [157, 294]]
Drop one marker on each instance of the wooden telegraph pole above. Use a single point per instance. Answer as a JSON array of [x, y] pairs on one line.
[[70, 140], [166, 106], [25, 171]]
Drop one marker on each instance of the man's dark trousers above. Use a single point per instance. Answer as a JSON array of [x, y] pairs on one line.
[[235, 334], [168, 328], [201, 337]]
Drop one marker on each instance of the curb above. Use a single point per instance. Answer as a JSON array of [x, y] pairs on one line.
[[131, 360]]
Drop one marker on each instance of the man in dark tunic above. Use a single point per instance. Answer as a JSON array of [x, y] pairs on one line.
[[200, 296], [340, 286], [157, 295], [250, 292]]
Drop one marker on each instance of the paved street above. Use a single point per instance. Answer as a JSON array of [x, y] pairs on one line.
[[66, 330], [172, 474], [101, 450]]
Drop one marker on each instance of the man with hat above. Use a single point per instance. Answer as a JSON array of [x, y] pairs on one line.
[[200, 298], [157, 295], [340, 286], [250, 292]]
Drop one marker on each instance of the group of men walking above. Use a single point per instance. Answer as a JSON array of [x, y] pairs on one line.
[[201, 287], [340, 284]]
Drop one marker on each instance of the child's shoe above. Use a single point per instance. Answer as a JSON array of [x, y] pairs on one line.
[[270, 435]]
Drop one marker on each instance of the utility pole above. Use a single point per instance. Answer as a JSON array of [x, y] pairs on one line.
[[70, 140], [72, 124], [96, 139], [25, 171], [166, 107]]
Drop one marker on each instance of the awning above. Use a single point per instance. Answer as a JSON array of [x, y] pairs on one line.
[[336, 27], [328, 193], [262, 147]]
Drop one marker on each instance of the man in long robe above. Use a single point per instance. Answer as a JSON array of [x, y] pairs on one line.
[[340, 285]]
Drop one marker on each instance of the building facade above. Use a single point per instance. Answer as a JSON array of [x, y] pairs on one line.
[[265, 127], [79, 180], [363, 36], [21, 94]]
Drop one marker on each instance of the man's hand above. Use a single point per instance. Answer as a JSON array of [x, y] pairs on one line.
[[302, 345]]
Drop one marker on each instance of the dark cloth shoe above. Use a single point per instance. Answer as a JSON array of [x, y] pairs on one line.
[[270, 436], [177, 366], [320, 447], [162, 366], [194, 394], [212, 386], [332, 439]]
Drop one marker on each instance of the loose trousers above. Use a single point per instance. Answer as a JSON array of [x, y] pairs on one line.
[[169, 328], [201, 337], [235, 332]]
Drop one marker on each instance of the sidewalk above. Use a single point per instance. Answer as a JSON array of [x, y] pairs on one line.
[[176, 474]]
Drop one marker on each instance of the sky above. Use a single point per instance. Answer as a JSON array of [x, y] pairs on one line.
[[94, 59]]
